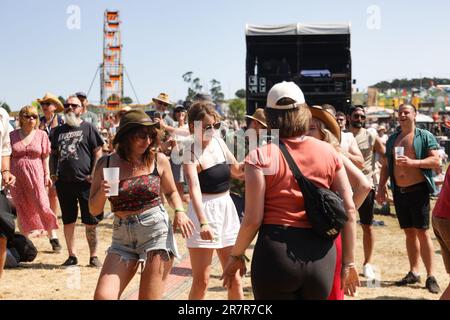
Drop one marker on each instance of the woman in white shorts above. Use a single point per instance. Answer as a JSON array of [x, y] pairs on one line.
[[208, 167]]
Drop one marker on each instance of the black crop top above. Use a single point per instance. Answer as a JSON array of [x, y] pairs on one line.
[[215, 179]]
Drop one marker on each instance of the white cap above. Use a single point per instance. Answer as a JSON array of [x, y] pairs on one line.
[[284, 90]]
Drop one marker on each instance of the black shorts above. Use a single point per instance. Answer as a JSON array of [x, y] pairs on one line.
[[366, 209], [413, 207], [7, 223], [70, 194], [292, 264]]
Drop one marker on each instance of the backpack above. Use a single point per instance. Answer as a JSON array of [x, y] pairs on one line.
[[25, 248]]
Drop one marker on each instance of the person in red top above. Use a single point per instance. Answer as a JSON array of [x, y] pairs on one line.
[[441, 226], [290, 261]]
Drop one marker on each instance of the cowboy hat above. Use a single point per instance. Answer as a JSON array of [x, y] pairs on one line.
[[163, 97], [328, 119], [133, 119], [259, 116], [51, 98]]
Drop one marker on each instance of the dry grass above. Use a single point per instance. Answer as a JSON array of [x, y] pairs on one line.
[[44, 279]]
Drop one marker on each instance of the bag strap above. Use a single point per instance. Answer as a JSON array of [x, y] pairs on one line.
[[107, 160], [292, 165]]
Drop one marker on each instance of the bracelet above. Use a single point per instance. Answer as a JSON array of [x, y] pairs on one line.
[[241, 257], [6, 170], [203, 224], [348, 265], [179, 210]]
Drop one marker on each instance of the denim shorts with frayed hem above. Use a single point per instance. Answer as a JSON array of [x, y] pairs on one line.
[[137, 235]]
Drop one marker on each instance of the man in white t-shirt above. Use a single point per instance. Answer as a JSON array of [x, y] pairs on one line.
[[348, 142]]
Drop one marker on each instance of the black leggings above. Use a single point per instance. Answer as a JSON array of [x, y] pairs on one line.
[[292, 264]]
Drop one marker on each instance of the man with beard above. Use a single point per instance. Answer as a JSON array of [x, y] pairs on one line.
[[76, 147], [368, 143], [410, 172]]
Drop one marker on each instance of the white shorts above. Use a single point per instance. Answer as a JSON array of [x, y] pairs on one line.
[[222, 218]]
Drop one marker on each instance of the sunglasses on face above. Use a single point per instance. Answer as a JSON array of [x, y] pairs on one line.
[[71, 105], [359, 116], [215, 126], [45, 104], [32, 116], [143, 135]]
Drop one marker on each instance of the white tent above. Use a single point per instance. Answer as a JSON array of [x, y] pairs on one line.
[[423, 118]]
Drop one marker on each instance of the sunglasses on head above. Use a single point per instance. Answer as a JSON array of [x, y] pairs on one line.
[[30, 116], [71, 105], [361, 116], [215, 126]]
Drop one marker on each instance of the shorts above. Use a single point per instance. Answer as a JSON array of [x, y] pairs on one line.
[[366, 209], [413, 208], [441, 229], [177, 172], [222, 218], [70, 194], [137, 235]]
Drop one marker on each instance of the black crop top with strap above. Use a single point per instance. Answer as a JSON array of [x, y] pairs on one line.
[[137, 192], [215, 179]]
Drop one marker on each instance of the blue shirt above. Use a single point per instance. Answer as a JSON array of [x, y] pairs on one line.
[[422, 143]]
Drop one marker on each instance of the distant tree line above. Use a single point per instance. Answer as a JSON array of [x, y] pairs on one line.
[[410, 83]]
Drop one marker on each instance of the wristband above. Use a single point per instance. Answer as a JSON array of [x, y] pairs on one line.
[[6, 170], [348, 265], [241, 257], [202, 224], [179, 210]]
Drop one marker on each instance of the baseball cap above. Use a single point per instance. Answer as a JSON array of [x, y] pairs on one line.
[[284, 90], [81, 94]]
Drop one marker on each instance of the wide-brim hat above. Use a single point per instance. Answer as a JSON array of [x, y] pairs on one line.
[[163, 97], [132, 119], [49, 97], [259, 116], [328, 119]]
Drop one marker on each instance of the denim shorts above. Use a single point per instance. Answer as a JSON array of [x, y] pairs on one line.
[[137, 235]]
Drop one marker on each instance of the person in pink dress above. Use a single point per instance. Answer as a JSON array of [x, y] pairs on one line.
[[29, 163]]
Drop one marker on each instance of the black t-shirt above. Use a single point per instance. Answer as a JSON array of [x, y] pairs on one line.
[[74, 148]]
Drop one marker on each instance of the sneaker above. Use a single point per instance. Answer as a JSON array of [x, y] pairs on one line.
[[432, 285], [410, 278], [368, 271], [71, 261], [55, 245], [95, 262]]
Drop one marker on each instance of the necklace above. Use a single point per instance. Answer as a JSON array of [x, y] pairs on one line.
[[135, 166]]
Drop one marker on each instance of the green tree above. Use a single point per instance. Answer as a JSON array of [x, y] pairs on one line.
[[5, 106], [216, 91], [237, 109], [240, 94], [62, 100], [194, 85], [127, 100]]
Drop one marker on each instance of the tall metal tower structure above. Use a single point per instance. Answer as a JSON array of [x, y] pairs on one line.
[[111, 76]]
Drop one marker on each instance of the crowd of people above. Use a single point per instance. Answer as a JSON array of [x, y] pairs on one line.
[[236, 185]]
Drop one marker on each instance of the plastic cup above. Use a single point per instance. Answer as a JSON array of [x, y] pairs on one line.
[[399, 151], [111, 175]]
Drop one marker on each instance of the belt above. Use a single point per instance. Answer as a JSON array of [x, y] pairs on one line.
[[415, 187]]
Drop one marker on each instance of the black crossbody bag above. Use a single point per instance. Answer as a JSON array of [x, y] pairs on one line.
[[324, 208]]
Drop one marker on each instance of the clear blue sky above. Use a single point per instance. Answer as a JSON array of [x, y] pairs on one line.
[[164, 39]]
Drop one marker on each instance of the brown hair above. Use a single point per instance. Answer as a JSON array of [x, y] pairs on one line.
[[290, 122], [29, 111], [123, 147], [199, 110]]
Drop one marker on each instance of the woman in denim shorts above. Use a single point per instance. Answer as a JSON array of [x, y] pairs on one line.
[[142, 232]]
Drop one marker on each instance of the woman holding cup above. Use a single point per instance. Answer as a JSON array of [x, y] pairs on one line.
[[142, 231]]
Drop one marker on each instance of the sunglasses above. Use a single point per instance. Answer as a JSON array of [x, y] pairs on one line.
[[359, 116], [143, 135], [71, 105], [33, 116], [45, 104], [215, 126]]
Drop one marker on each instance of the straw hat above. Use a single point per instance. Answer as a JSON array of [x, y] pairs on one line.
[[133, 119], [259, 116], [163, 97], [51, 98], [328, 119]]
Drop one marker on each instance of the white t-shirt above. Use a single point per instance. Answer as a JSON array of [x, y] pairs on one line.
[[5, 142]]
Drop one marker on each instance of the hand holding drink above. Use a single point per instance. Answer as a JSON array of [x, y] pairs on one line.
[[111, 176], [399, 152]]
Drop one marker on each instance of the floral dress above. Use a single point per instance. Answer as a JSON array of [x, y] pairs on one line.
[[29, 194]]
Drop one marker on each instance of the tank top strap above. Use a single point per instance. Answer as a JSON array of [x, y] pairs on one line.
[[155, 169]]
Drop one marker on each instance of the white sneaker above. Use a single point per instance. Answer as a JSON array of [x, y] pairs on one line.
[[368, 271]]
